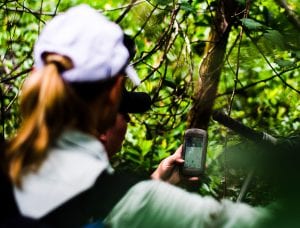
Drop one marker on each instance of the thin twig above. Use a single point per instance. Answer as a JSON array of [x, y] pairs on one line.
[[238, 91], [272, 68]]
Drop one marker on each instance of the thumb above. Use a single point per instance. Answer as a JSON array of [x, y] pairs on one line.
[[178, 152]]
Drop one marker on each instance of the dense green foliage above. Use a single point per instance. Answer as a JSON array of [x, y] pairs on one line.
[[259, 85]]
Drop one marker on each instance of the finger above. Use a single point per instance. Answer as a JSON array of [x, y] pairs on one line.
[[179, 160], [193, 179], [169, 161], [178, 152], [172, 160]]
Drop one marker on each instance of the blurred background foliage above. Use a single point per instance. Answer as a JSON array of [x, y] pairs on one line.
[[259, 85]]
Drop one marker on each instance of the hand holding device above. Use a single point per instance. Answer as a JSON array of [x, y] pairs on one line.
[[194, 152]]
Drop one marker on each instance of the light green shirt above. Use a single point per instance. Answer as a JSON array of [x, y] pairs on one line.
[[158, 204]]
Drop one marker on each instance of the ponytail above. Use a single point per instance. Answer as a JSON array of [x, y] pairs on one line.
[[48, 106], [43, 100]]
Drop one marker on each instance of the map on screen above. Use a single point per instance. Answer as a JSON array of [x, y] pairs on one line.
[[193, 155]]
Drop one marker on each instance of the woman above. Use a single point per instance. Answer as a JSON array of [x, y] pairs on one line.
[[70, 98], [59, 169]]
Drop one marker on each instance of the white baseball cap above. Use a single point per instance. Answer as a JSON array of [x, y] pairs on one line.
[[93, 43]]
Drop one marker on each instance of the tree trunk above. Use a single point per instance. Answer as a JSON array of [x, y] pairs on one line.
[[212, 64]]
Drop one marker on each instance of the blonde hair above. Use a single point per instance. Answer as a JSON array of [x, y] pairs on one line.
[[48, 106]]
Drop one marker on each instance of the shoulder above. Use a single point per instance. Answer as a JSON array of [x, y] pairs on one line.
[[72, 166], [155, 203], [94, 203]]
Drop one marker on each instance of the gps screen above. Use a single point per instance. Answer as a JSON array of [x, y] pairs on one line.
[[193, 156]]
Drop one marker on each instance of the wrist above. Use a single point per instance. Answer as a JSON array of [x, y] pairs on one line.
[[155, 175]]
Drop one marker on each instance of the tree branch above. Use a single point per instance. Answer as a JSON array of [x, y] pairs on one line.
[[238, 91], [291, 15]]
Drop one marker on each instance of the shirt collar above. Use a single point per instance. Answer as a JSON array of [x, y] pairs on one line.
[[89, 143]]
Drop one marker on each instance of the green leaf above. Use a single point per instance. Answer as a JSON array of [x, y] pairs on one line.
[[163, 2], [241, 2], [297, 54], [251, 24], [284, 63], [187, 7], [274, 37], [169, 83]]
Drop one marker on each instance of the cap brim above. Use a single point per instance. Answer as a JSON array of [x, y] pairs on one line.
[[131, 73], [135, 102]]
